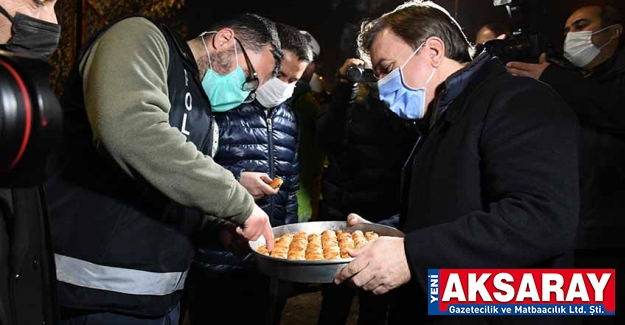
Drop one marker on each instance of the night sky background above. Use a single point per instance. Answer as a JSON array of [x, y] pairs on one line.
[[334, 22]]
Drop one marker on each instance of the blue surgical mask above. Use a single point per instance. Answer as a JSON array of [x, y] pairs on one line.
[[406, 102], [224, 92]]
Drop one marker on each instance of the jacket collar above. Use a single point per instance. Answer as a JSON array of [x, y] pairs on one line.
[[456, 86], [615, 65], [183, 49]]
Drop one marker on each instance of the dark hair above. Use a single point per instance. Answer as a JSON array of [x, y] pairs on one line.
[[294, 41], [254, 32], [309, 39], [499, 29], [415, 22], [610, 15]]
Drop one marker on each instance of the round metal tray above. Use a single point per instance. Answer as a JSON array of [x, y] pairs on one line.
[[311, 271]]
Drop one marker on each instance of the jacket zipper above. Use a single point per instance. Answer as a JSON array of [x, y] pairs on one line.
[[209, 137], [271, 167]]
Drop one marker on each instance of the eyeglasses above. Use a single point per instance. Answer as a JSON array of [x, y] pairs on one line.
[[251, 82]]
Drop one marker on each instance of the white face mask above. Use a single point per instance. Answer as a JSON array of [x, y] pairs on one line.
[[274, 92], [579, 49], [315, 84]]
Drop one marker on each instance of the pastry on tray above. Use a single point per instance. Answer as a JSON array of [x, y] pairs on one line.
[[329, 245]]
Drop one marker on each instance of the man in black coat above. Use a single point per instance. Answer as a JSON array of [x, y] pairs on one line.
[[595, 88], [493, 182]]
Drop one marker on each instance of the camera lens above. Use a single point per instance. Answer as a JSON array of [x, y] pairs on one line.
[[30, 120], [354, 74]]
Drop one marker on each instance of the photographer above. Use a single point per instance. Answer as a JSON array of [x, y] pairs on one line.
[[27, 291], [489, 32], [595, 89], [493, 182], [367, 146]]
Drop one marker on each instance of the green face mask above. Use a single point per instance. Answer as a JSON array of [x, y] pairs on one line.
[[224, 92]]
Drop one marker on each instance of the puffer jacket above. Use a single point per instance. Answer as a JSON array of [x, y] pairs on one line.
[[255, 139]]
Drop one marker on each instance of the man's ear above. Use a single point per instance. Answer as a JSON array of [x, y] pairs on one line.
[[618, 31], [224, 38], [435, 49]]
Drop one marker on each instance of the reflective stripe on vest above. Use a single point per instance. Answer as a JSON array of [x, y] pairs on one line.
[[128, 281]]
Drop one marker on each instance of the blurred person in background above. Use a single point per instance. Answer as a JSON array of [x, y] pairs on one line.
[[593, 84], [491, 31], [305, 105], [257, 143], [367, 146]]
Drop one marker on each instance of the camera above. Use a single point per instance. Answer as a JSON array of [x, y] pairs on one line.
[[359, 74], [526, 43], [30, 120]]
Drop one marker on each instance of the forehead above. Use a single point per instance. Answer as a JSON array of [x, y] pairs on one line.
[[485, 31], [590, 13], [291, 64], [289, 60], [386, 45]]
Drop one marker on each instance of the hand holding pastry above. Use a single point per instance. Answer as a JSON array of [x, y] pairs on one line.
[[276, 183], [257, 184]]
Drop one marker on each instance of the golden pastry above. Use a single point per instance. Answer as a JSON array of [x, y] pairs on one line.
[[328, 245], [297, 249], [359, 239], [371, 236]]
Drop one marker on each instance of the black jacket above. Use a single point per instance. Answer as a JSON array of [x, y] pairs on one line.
[[493, 182], [599, 101], [255, 139], [27, 275], [367, 146]]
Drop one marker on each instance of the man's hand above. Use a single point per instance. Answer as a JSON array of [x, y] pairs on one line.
[[257, 184], [533, 70], [379, 267], [257, 224], [232, 240], [348, 64], [354, 219]]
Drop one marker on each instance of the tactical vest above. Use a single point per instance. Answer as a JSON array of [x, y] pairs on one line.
[[120, 244]]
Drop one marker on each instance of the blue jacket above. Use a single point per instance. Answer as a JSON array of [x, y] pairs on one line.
[[255, 139]]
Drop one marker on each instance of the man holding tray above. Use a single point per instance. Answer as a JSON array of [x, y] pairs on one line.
[[492, 181]]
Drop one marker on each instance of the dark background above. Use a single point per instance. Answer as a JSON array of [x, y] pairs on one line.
[[334, 22]]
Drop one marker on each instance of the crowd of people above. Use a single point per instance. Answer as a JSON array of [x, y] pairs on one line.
[[170, 145]]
